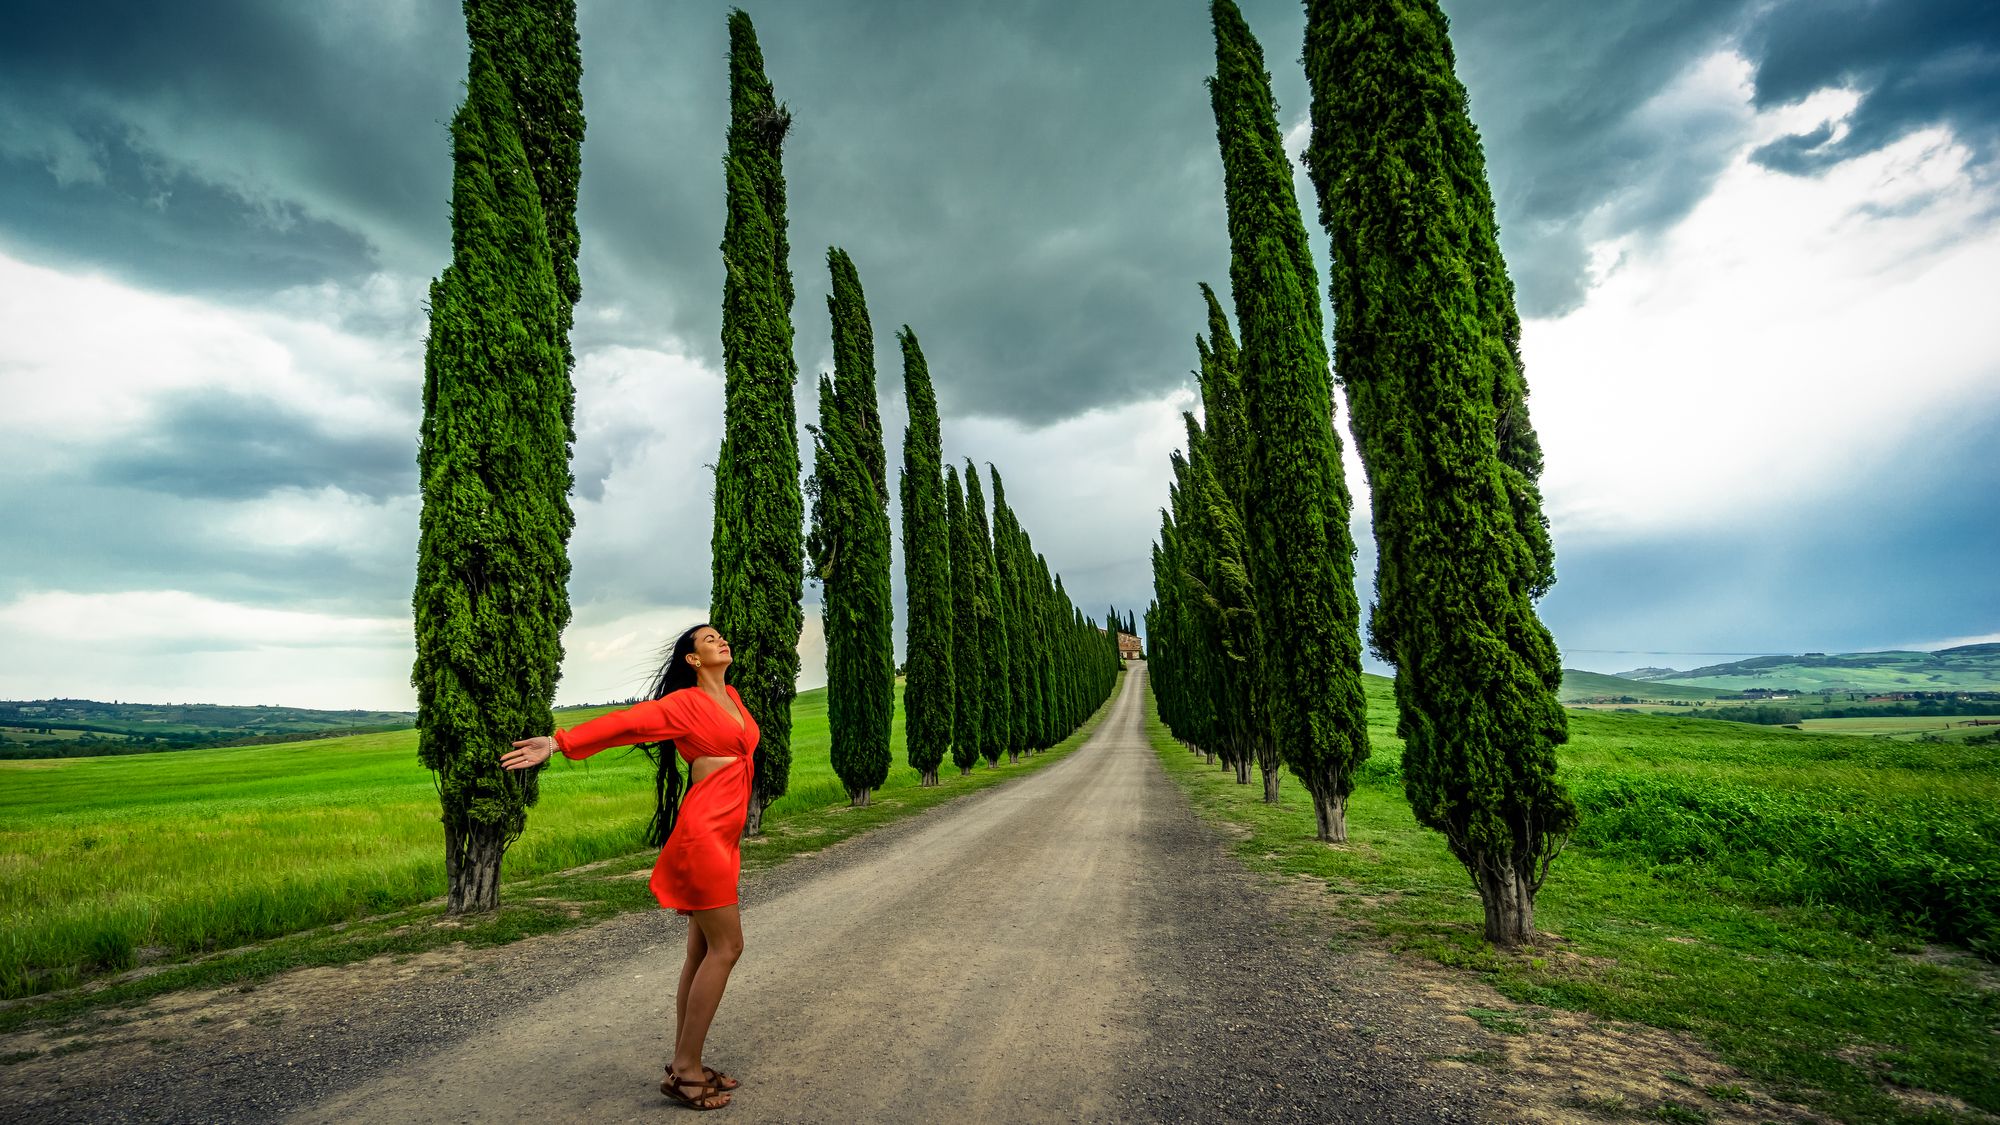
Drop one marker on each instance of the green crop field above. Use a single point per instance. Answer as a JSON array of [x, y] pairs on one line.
[[1824, 910], [1955, 728], [110, 862]]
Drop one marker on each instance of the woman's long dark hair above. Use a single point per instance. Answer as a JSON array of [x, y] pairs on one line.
[[674, 675]]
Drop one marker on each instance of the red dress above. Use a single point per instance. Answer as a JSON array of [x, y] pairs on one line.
[[698, 868]]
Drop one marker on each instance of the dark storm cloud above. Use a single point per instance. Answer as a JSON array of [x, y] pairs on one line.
[[1564, 97], [1915, 63], [1560, 92], [228, 146], [1034, 187], [216, 445], [1034, 190]]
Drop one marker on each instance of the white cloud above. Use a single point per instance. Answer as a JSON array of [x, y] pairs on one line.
[[89, 359], [1789, 335], [324, 520]]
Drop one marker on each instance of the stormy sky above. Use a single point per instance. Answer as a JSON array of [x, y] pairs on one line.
[[1755, 241]]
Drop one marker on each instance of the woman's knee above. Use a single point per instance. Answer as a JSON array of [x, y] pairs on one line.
[[728, 947]]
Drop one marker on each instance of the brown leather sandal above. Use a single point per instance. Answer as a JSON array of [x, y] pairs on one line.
[[676, 1088], [715, 1077], [718, 1079]]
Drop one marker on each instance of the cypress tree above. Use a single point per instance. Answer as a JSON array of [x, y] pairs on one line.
[[996, 711], [928, 691], [1426, 343], [1226, 612], [1073, 673], [968, 647], [1302, 552], [849, 545], [493, 462], [1007, 581], [1048, 627], [758, 543], [1244, 679], [533, 45]]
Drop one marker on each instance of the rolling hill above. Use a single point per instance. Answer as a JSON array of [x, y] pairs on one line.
[[1579, 686], [1965, 668]]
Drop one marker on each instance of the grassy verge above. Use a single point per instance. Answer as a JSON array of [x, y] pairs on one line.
[[571, 868], [1842, 1006]]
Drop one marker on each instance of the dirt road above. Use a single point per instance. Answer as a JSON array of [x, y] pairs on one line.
[[1072, 946], [990, 966]]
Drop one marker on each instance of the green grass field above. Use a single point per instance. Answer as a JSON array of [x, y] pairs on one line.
[[110, 862], [1807, 904]]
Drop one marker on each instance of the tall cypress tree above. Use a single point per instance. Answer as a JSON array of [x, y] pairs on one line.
[[1051, 665], [1426, 343], [758, 544], [1301, 550], [1007, 581], [996, 711], [1243, 677], [928, 690], [1226, 611], [849, 545], [968, 645], [1073, 674], [493, 463]]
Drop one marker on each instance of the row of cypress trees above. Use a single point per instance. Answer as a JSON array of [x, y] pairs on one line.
[[1256, 566], [1027, 667], [999, 660], [1254, 626]]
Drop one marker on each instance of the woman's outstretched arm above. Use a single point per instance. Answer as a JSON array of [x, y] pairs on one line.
[[651, 721]]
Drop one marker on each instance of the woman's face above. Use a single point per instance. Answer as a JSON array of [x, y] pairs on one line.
[[710, 650]]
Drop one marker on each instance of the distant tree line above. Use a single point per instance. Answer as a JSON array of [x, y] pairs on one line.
[[105, 741]]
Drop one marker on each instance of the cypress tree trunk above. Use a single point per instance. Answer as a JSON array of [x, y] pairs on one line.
[[758, 544], [928, 690], [493, 461], [1425, 338], [849, 545], [968, 647], [1301, 549]]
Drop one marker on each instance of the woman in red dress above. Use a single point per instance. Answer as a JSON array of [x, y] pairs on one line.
[[693, 715]]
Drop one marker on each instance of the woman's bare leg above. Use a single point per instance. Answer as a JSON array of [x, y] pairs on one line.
[[722, 930], [697, 949]]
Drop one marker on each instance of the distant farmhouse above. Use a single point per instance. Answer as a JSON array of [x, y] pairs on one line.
[[1128, 646]]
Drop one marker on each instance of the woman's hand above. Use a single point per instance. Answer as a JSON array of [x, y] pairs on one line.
[[529, 752]]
